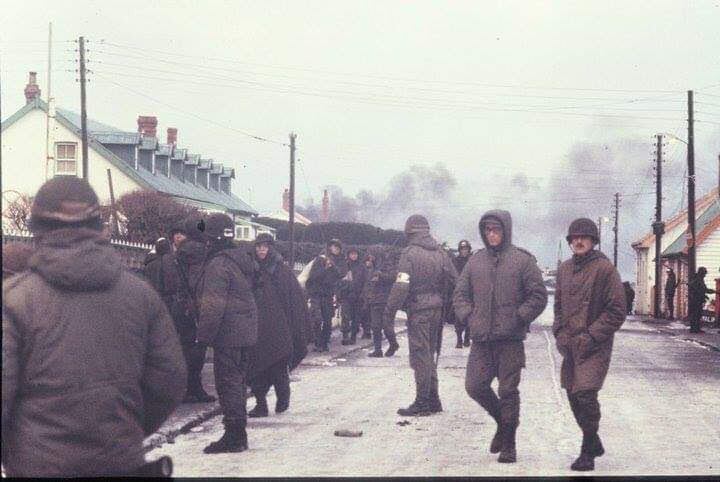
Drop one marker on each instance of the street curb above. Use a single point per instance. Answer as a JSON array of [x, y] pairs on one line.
[[159, 438]]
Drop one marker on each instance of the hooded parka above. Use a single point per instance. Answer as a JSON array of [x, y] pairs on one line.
[[500, 291], [91, 363], [589, 309]]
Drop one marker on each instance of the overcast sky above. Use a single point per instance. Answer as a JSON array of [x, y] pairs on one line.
[[488, 89]]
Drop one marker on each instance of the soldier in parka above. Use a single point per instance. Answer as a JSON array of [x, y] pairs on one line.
[[381, 277], [697, 296], [91, 364], [423, 271], [589, 308], [282, 321], [464, 252], [499, 293], [328, 269], [349, 291], [228, 321]]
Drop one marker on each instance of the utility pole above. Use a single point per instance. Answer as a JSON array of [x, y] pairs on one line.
[[48, 145], [615, 229], [658, 225], [116, 223], [691, 187], [600, 233], [291, 218], [83, 109]]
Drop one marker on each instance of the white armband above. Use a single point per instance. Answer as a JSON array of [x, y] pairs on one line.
[[402, 278]]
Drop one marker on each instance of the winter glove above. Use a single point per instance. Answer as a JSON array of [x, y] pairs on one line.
[[584, 345]]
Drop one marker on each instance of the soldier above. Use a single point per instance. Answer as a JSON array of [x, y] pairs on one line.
[[670, 287], [91, 364], [327, 270], [589, 308], [423, 272], [351, 304], [499, 293], [228, 321], [464, 252], [377, 289], [282, 319], [697, 296]]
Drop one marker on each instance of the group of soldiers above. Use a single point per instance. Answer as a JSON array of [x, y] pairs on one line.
[[94, 361]]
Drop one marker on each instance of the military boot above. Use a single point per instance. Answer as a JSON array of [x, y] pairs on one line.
[[591, 447], [353, 338], [283, 397], [233, 440], [435, 403], [392, 339], [261, 408], [459, 343], [497, 440], [418, 408], [466, 342], [377, 343], [508, 454]]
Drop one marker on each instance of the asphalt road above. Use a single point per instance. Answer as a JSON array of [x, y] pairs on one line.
[[659, 405]]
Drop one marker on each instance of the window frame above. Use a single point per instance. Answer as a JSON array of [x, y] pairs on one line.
[[58, 159]]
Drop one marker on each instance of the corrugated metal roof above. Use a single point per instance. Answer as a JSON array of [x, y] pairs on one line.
[[117, 137], [677, 246]]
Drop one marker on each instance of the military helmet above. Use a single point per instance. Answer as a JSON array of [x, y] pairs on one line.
[[583, 227], [65, 200], [464, 244], [194, 227], [417, 223], [219, 226], [264, 238], [336, 242]]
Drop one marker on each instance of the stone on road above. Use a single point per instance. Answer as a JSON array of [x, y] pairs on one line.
[[659, 407]]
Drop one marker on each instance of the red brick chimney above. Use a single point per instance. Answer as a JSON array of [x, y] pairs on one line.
[[286, 200], [172, 135], [147, 125], [32, 90], [325, 213]]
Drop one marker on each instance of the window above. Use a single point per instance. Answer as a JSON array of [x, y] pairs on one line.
[[242, 232], [66, 159]]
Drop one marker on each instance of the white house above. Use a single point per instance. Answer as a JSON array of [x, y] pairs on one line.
[[136, 160], [674, 252]]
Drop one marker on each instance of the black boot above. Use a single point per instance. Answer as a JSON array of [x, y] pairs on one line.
[[283, 398], [508, 454], [467, 337], [497, 440], [435, 403], [392, 339], [417, 408], [377, 342], [459, 343], [261, 408], [233, 440], [353, 338], [591, 447]]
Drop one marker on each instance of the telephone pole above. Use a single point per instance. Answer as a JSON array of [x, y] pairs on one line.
[[291, 207], [615, 228], [691, 187], [83, 109], [658, 225]]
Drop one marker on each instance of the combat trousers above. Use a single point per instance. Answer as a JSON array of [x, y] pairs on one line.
[[230, 368], [276, 376], [378, 325], [586, 409], [670, 303], [504, 360], [195, 360], [459, 330], [350, 317], [423, 327], [321, 313]]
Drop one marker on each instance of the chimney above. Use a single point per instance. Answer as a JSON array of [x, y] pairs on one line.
[[147, 125], [172, 136], [32, 90], [286, 200], [325, 213]]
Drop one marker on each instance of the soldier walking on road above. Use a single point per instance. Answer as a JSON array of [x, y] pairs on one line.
[[91, 364], [328, 269], [464, 252], [589, 308], [351, 304], [377, 289], [423, 271], [228, 322], [499, 293], [670, 287], [697, 296]]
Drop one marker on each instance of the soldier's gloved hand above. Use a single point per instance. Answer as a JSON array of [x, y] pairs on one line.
[[584, 345]]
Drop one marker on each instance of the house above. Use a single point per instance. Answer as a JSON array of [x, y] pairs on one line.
[[136, 160], [674, 252], [283, 214]]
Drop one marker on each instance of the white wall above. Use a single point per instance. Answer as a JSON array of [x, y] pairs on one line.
[[23, 159], [708, 255]]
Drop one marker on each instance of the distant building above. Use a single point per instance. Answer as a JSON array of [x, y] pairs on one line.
[[674, 253], [137, 160], [283, 214]]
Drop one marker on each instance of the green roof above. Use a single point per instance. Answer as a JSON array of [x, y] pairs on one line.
[[676, 248]]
